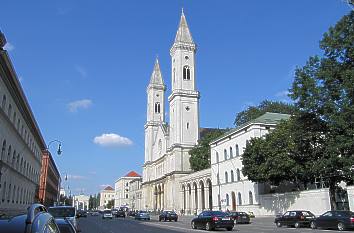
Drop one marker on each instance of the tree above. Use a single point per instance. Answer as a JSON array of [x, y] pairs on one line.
[[200, 154], [252, 112], [110, 204], [324, 91]]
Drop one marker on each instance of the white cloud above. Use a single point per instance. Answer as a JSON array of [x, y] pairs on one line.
[[76, 177], [284, 93], [81, 70], [9, 46], [111, 139], [79, 104]]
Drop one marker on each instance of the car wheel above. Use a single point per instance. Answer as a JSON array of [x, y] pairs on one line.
[[159, 219], [193, 226], [278, 224], [297, 225], [313, 225], [175, 220], [165, 219], [208, 226], [340, 226], [229, 228]]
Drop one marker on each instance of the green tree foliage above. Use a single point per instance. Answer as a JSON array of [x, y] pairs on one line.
[[318, 141], [200, 154], [110, 204], [252, 112], [324, 91]]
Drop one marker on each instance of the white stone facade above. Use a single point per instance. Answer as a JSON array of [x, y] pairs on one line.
[[81, 202], [106, 195], [21, 143], [122, 190], [135, 194], [167, 145]]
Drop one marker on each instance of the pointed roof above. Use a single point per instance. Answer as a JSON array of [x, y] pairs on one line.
[[156, 76], [183, 34], [108, 188], [132, 174]]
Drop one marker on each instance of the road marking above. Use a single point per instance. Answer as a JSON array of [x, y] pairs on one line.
[[170, 226]]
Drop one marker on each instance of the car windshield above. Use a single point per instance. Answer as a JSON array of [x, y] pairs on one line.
[[218, 213], [107, 212], [62, 212], [65, 228]]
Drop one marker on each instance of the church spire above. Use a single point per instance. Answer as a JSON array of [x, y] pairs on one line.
[[183, 34], [156, 76]]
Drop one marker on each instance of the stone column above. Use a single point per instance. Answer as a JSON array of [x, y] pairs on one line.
[[188, 202], [206, 198], [200, 200]]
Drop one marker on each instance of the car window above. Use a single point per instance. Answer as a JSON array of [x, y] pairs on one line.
[[287, 214], [51, 227], [292, 214], [306, 214], [62, 212], [64, 228], [328, 214]]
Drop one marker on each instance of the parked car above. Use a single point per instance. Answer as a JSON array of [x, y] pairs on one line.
[[168, 215], [61, 212], [94, 213], [341, 220], [210, 220], [132, 213], [296, 218], [65, 226], [37, 220], [81, 213], [142, 215], [107, 214], [120, 213], [240, 217]]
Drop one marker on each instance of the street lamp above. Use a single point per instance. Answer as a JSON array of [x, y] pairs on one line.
[[59, 151]]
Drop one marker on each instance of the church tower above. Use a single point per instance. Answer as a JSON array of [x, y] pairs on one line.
[[184, 99], [155, 109]]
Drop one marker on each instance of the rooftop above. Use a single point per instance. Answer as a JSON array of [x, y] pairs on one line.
[[132, 174]]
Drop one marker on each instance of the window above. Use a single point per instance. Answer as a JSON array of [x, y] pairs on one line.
[[3, 104], [187, 125], [226, 178], [126, 196], [231, 152], [3, 149], [227, 200], [218, 178], [239, 199], [174, 75], [225, 154], [157, 107], [14, 118], [186, 73], [217, 157], [250, 197], [238, 174], [237, 150], [232, 176]]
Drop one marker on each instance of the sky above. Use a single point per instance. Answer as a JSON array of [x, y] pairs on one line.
[[85, 65]]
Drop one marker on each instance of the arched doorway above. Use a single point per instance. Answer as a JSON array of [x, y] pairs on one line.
[[184, 198], [155, 198], [159, 197], [202, 194], [195, 187], [233, 199], [210, 194], [189, 198]]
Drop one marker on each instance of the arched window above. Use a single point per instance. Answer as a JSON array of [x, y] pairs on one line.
[[239, 199], [9, 154], [232, 176], [13, 162], [3, 149], [238, 174], [250, 197], [186, 73], [225, 154], [157, 107], [227, 200], [237, 150], [231, 152], [9, 111], [226, 178], [3, 104], [18, 124]]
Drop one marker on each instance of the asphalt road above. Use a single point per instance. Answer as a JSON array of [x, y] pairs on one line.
[[95, 224]]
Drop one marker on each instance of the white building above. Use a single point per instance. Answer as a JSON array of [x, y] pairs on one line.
[[122, 187], [167, 145], [21, 142], [106, 195], [81, 202], [135, 194]]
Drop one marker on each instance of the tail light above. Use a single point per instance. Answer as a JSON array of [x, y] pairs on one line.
[[215, 219], [352, 219]]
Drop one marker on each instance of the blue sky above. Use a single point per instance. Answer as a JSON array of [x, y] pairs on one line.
[[85, 65]]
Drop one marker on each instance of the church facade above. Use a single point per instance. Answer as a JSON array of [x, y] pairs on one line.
[[167, 144]]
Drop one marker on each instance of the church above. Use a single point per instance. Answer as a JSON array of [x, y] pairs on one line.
[[167, 144]]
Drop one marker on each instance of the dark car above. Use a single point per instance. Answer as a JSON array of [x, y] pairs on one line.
[[81, 213], [240, 217], [67, 212], [132, 213], [341, 220], [296, 218], [37, 220], [120, 213], [211, 220], [168, 215], [65, 226]]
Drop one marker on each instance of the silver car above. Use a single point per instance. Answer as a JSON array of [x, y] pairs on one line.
[[142, 215], [107, 214]]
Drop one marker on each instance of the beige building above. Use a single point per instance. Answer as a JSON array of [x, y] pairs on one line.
[[106, 195], [21, 141], [135, 194], [122, 189]]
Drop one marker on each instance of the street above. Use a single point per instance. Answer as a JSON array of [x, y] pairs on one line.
[[95, 224]]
